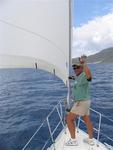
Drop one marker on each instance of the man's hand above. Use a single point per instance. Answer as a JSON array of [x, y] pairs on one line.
[[87, 71], [82, 59], [71, 77]]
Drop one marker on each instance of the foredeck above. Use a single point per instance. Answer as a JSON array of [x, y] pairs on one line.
[[59, 142], [64, 136]]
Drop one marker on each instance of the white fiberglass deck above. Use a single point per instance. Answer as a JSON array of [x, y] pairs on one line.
[[64, 136]]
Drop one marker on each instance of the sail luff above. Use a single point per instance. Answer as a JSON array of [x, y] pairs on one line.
[[70, 49]]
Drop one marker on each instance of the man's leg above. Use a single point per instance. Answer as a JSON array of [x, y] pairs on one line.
[[71, 125], [89, 125]]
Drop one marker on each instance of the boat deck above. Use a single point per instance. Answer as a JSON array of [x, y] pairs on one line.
[[64, 137]]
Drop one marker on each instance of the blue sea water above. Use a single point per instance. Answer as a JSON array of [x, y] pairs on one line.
[[28, 95]]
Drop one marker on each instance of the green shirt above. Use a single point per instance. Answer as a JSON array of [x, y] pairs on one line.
[[81, 88]]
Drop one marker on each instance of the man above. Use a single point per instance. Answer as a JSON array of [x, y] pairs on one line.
[[82, 102]]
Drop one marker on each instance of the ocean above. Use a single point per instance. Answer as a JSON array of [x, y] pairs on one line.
[[28, 95]]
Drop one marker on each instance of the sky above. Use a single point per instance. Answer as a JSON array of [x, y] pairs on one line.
[[92, 26]]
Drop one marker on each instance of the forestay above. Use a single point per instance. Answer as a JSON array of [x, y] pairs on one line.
[[35, 33]]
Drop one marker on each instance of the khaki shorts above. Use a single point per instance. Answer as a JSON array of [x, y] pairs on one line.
[[81, 108]]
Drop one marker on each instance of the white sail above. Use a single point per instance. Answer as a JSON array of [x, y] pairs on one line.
[[35, 33]]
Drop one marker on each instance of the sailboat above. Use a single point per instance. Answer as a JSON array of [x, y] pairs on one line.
[[38, 34]]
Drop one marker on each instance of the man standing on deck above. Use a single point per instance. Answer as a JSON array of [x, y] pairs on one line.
[[82, 102]]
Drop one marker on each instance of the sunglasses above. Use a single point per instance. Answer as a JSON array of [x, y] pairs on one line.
[[76, 68]]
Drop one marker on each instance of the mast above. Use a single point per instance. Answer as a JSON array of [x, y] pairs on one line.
[[70, 48]]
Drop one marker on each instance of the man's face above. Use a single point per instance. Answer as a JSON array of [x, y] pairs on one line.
[[78, 70]]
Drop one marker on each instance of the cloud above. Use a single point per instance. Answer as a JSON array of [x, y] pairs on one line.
[[94, 36]]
